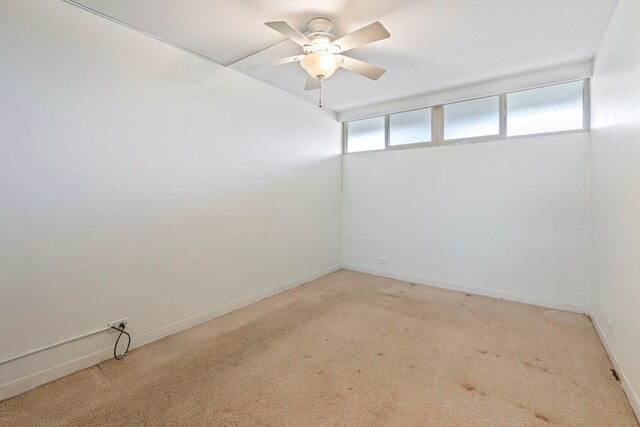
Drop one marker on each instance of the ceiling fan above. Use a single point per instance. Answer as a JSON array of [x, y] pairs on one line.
[[323, 52]]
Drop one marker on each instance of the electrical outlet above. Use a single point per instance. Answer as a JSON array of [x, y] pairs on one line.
[[116, 324], [383, 260], [610, 325]]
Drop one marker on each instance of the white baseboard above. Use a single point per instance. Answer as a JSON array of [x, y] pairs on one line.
[[631, 395], [544, 302], [29, 382]]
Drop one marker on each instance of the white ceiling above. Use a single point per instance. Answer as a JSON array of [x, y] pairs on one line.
[[434, 44]]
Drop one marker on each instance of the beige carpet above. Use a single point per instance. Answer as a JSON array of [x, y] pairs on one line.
[[354, 350]]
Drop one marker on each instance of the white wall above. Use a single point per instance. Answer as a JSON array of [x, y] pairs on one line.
[[139, 181], [504, 218], [615, 193]]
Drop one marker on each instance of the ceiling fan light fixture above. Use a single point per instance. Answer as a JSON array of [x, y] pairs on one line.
[[321, 65], [323, 52]]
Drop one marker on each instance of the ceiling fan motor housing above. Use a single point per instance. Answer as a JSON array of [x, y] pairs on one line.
[[320, 25], [321, 42], [320, 37]]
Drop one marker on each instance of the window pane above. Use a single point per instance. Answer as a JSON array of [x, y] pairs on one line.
[[367, 134], [546, 109], [478, 117], [410, 127]]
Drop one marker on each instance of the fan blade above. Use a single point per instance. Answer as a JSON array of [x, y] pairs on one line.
[[364, 69], [275, 62], [370, 33], [312, 83], [287, 30]]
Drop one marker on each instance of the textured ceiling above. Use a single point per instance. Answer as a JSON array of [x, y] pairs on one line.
[[434, 44]]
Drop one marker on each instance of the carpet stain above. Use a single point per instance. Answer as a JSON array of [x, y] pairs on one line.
[[615, 374], [532, 366], [542, 417], [468, 387]]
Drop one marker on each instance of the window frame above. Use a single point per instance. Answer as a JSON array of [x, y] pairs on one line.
[[437, 122]]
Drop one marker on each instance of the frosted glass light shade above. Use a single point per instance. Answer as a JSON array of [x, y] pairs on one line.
[[321, 65]]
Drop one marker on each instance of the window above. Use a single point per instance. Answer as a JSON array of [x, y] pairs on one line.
[[546, 109], [411, 127], [555, 108], [365, 135], [468, 119]]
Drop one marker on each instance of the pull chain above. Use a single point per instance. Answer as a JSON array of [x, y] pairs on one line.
[[320, 99]]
